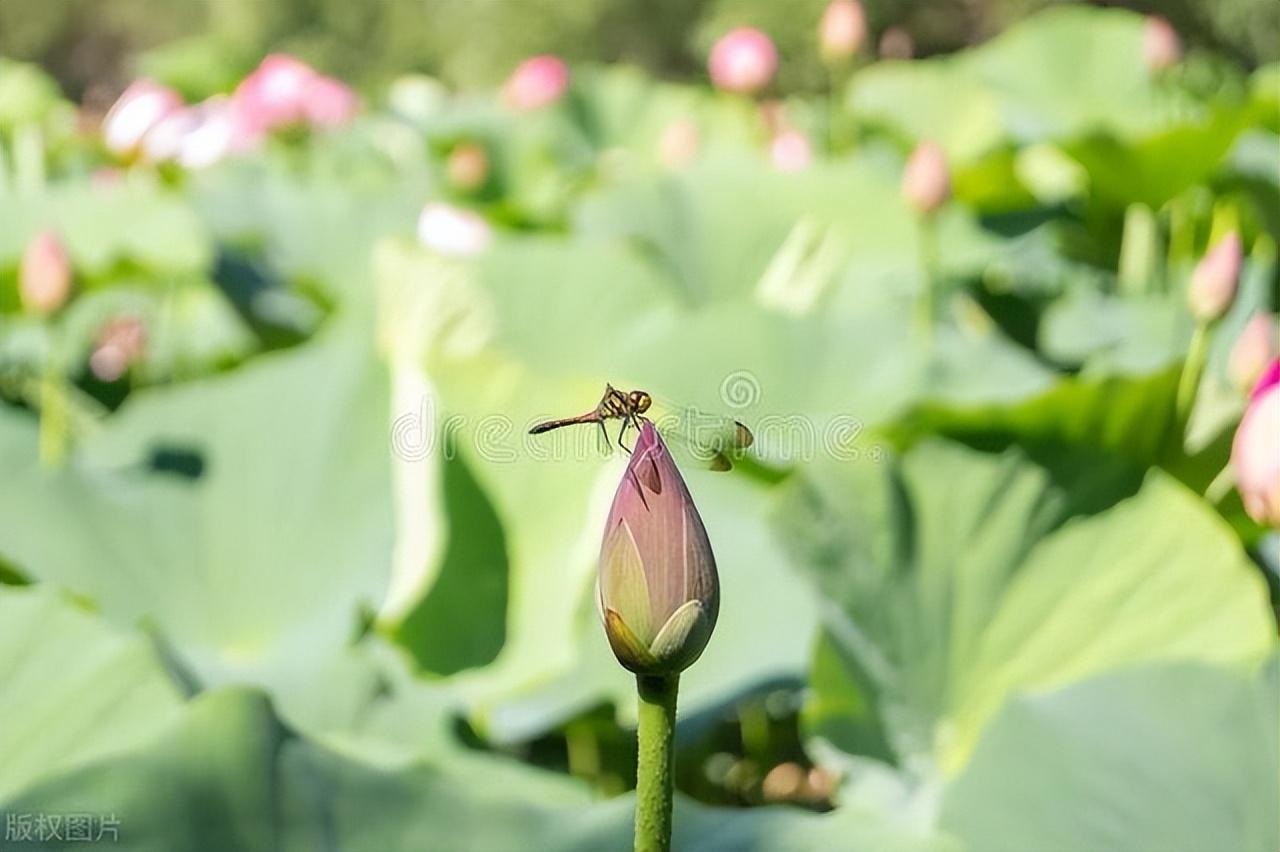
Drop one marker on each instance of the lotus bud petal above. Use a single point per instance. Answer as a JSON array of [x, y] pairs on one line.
[[44, 275], [467, 167], [926, 181], [897, 43], [1257, 346], [743, 61], [1213, 283], [274, 95], [842, 30], [536, 82], [790, 151], [142, 106], [453, 231], [121, 343], [659, 592], [1161, 47], [1255, 452], [328, 103]]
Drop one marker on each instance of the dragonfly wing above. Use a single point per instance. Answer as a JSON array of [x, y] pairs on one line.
[[706, 439]]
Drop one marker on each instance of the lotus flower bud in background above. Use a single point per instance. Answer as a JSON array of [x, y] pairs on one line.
[[659, 592], [467, 167], [536, 83], [1161, 47], [679, 143], [1257, 345], [328, 103], [897, 43], [743, 61], [44, 276], [452, 231], [1255, 452], [142, 106], [926, 181], [121, 343], [1213, 283], [790, 151], [274, 94], [842, 31]]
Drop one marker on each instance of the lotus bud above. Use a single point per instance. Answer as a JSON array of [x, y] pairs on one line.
[[659, 592], [536, 83], [121, 343], [743, 61], [274, 94], [1255, 452], [679, 143], [452, 231], [142, 106], [896, 43], [1161, 47], [1257, 346], [926, 181], [44, 276], [1213, 283], [328, 103], [467, 167], [790, 151], [842, 31]]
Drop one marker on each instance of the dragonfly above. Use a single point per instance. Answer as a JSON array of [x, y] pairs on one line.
[[711, 440]]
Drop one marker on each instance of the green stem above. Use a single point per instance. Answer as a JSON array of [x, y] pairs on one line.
[[1192, 369], [928, 247], [655, 769]]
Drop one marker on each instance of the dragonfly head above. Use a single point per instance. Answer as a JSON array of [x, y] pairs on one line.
[[640, 401]]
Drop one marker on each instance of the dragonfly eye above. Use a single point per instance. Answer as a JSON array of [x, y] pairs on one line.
[[641, 401]]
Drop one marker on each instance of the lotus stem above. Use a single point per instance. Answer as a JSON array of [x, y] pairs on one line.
[[655, 769]]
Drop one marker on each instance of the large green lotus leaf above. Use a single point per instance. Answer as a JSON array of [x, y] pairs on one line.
[[958, 578], [102, 226], [1113, 334], [72, 688], [1177, 756], [27, 94], [230, 775]]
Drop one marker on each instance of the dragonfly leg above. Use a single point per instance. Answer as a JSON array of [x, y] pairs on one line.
[[623, 431]]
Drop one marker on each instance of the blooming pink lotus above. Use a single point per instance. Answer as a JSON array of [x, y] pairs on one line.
[[790, 151], [659, 593], [142, 106], [536, 82], [926, 180], [743, 61], [1255, 452], [1213, 283], [453, 231], [274, 94], [328, 103], [842, 31], [1254, 349], [1161, 47], [44, 275]]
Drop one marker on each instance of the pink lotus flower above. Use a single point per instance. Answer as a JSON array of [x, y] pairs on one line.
[[467, 167], [743, 61], [679, 143], [452, 231], [1161, 47], [1255, 452], [1213, 283], [44, 274], [328, 103], [842, 31], [1256, 347], [121, 343], [274, 94], [537, 82], [659, 593], [926, 180], [142, 106], [897, 43], [790, 151]]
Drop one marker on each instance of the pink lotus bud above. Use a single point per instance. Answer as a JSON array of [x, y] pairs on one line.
[[1213, 283], [467, 168], [274, 94], [659, 591], [328, 103], [215, 129], [1255, 452], [679, 143], [537, 82], [1256, 347], [926, 181], [121, 343], [790, 151], [842, 31], [142, 106], [163, 141], [44, 275], [743, 61], [453, 231], [1161, 47], [897, 43]]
